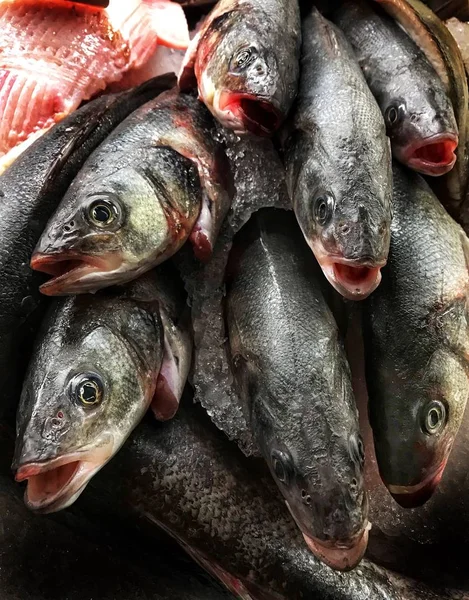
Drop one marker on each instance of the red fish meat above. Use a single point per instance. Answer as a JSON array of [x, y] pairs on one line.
[[54, 54]]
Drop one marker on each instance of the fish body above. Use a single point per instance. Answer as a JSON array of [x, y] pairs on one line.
[[93, 376], [158, 179], [417, 343], [294, 379], [30, 191], [56, 54], [338, 163], [419, 115], [244, 62]]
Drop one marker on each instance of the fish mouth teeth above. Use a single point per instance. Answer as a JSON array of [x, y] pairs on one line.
[[249, 113], [354, 281], [434, 156], [55, 484], [413, 496], [342, 556], [69, 269]]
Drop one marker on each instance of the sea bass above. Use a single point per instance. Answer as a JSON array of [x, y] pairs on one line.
[[417, 343], [244, 62], [419, 115], [338, 163], [93, 376], [294, 380], [56, 54], [30, 191], [158, 179]]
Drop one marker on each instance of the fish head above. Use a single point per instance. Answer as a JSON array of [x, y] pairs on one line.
[[76, 410], [415, 422], [345, 222], [240, 80], [111, 228], [423, 130]]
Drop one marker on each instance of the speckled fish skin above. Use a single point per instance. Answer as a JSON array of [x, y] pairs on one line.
[[244, 62], [26, 204], [419, 115], [338, 163], [417, 343], [91, 380], [293, 376], [162, 176]]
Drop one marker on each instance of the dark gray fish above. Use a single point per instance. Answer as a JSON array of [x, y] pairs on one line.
[[244, 62], [158, 179], [338, 162], [294, 381], [419, 115], [30, 191], [93, 376], [417, 343]]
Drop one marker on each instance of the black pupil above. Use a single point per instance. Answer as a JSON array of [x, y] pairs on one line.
[[101, 213], [279, 470], [243, 57], [392, 115], [88, 392], [434, 418]]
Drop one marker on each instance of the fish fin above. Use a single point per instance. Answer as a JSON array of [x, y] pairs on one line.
[[170, 23], [187, 79]]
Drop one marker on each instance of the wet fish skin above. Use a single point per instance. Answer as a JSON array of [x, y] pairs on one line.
[[26, 203], [244, 62], [417, 343], [294, 380], [419, 115], [163, 178], [338, 163]]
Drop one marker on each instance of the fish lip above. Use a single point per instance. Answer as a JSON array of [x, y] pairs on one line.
[[341, 556], [88, 462], [349, 288], [66, 282], [427, 167], [242, 122], [413, 496]]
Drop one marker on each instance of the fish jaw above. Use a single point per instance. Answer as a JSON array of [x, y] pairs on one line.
[[341, 557], [246, 113], [74, 273], [413, 496], [56, 484], [433, 156]]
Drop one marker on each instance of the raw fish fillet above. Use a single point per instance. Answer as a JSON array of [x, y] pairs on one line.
[[54, 54]]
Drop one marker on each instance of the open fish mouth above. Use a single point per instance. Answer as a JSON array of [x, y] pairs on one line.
[[55, 484], [412, 496], [433, 156], [247, 112], [70, 271], [340, 556]]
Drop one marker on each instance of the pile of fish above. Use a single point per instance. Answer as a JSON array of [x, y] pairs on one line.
[[293, 204]]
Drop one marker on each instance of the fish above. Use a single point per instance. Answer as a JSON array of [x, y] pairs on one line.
[[338, 163], [416, 337], [55, 55], [294, 380], [159, 179], [419, 115], [93, 376], [244, 63], [30, 191]]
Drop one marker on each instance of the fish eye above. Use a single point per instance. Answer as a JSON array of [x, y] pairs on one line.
[[357, 449], [103, 213], [87, 389], [393, 114], [282, 466], [434, 417], [243, 58], [323, 207]]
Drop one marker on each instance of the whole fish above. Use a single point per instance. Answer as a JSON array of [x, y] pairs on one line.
[[30, 191], [417, 343], [55, 54], [93, 376], [158, 179], [244, 62], [338, 163], [294, 380], [419, 115], [186, 476]]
